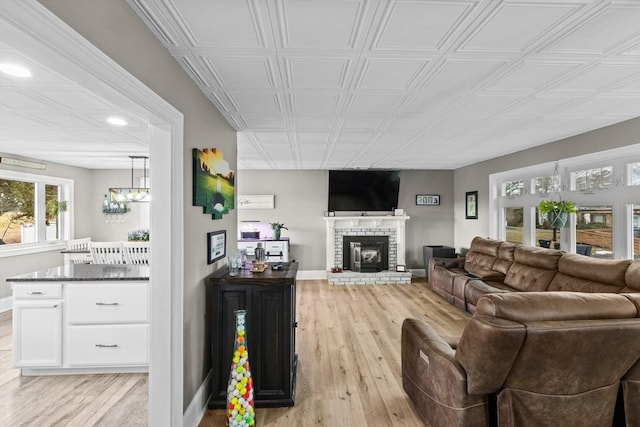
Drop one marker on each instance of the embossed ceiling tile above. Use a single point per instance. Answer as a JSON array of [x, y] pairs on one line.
[[275, 136], [389, 73], [245, 72], [264, 103], [484, 105], [420, 25], [313, 137], [352, 137], [412, 121], [531, 76], [362, 122], [263, 121], [516, 25], [324, 24], [312, 122], [368, 103], [306, 103], [312, 151], [602, 33], [537, 106], [220, 22], [599, 77], [318, 73], [602, 106]]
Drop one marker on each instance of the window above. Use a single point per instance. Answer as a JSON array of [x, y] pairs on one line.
[[593, 179], [513, 188], [635, 230], [633, 173], [545, 184], [514, 218], [594, 228], [546, 235], [32, 209]]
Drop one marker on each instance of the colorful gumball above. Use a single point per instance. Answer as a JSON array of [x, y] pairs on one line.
[[240, 405]]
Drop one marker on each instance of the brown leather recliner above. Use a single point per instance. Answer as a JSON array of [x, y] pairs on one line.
[[631, 380], [550, 358]]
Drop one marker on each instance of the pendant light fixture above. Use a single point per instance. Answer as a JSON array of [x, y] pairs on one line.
[[133, 193]]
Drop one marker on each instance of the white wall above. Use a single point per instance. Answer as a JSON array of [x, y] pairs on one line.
[[476, 177], [301, 198]]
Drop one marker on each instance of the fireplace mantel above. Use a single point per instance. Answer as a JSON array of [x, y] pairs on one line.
[[366, 224]]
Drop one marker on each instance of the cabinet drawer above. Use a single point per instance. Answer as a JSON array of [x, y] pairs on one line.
[[107, 345], [37, 291], [276, 246], [108, 303]]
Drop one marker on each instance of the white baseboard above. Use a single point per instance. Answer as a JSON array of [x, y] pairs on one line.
[[6, 304], [311, 275], [418, 272], [198, 405]]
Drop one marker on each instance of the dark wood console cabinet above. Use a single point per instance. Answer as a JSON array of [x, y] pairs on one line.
[[270, 300]]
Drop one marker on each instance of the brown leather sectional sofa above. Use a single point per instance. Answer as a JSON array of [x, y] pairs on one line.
[[493, 266], [554, 340], [529, 359]]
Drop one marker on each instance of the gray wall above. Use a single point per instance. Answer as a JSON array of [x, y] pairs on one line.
[[301, 199], [113, 27], [476, 177]]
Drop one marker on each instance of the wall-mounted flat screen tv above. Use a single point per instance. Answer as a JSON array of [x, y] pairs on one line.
[[363, 190]]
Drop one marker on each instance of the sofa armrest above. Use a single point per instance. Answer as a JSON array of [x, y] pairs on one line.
[[429, 363], [446, 263]]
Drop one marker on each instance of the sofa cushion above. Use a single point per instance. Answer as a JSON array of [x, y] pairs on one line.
[[482, 254], [533, 268], [632, 278], [578, 273], [505, 257], [476, 289]]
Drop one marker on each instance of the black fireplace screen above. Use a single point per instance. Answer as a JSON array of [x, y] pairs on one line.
[[365, 253]]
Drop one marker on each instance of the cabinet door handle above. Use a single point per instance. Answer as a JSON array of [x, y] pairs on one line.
[[107, 345], [106, 303], [34, 293]]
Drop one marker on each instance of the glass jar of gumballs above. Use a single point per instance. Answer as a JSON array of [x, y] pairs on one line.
[[240, 410]]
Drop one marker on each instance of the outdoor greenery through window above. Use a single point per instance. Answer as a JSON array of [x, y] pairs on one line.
[[593, 179], [513, 188], [514, 218], [633, 171], [635, 230], [32, 208], [546, 184]]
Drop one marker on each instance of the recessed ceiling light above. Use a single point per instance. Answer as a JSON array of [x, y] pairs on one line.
[[117, 121], [15, 70]]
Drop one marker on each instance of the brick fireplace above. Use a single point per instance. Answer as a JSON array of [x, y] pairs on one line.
[[342, 230]]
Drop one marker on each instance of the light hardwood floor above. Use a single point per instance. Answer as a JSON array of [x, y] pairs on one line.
[[67, 400], [348, 344]]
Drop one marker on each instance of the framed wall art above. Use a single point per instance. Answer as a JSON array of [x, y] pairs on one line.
[[427, 199], [216, 245], [213, 182], [471, 205]]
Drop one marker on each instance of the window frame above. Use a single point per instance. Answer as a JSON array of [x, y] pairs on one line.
[[66, 192], [620, 196]]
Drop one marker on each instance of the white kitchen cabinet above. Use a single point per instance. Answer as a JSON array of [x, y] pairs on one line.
[[37, 333], [81, 326]]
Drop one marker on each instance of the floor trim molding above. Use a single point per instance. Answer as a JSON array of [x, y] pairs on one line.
[[6, 304], [198, 405]]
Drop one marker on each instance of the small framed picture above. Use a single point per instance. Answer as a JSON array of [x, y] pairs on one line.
[[471, 205], [427, 199], [216, 245]]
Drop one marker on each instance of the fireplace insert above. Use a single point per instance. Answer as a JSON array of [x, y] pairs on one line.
[[365, 254]]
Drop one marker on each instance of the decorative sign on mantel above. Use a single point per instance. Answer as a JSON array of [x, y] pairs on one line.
[[264, 201]]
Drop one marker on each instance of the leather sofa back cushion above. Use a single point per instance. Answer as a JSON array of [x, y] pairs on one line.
[[579, 273], [505, 257], [482, 255], [485, 246], [533, 268], [632, 278], [547, 306]]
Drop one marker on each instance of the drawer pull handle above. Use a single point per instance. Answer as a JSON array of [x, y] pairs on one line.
[[107, 345], [106, 303], [34, 293]]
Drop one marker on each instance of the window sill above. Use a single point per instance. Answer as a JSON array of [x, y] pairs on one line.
[[33, 248]]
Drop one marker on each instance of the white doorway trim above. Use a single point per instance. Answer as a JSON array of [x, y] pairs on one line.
[[35, 31]]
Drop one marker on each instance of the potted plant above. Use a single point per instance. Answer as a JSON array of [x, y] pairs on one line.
[[138, 235], [557, 212], [277, 227]]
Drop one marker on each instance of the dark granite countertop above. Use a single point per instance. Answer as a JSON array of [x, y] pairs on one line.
[[86, 272]]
